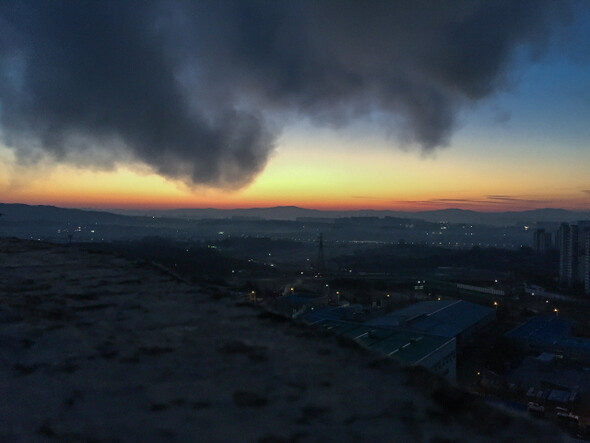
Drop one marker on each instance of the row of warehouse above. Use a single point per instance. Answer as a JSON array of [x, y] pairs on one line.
[[428, 333]]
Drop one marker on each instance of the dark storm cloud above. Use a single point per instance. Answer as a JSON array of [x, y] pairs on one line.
[[198, 90]]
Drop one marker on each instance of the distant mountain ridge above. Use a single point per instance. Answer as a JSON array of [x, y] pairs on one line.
[[22, 212], [450, 215], [16, 212]]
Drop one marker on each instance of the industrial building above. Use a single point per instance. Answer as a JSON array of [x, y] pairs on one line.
[[486, 295], [458, 319], [426, 333], [298, 302], [435, 353], [551, 334], [355, 313], [550, 381]]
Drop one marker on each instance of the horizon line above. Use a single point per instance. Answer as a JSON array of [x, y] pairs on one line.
[[451, 208]]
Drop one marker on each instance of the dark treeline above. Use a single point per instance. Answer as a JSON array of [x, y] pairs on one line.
[[395, 259], [198, 261]]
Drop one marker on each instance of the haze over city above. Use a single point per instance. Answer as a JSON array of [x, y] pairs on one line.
[[326, 105]]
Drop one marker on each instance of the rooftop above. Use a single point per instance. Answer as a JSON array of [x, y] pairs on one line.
[[405, 346], [541, 373], [541, 330], [552, 332], [447, 318]]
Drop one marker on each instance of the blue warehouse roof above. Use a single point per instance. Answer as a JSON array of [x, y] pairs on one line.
[[541, 331], [320, 314], [409, 347], [551, 333], [446, 318]]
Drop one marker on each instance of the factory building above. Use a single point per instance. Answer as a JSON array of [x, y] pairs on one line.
[[435, 353], [550, 381], [457, 319], [427, 334], [551, 334]]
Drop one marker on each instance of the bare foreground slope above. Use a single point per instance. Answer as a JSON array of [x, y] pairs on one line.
[[93, 347]]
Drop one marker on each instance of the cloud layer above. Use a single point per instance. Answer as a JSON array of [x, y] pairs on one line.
[[198, 90]]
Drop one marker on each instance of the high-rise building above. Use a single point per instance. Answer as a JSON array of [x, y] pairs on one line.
[[584, 228], [587, 261], [568, 254], [562, 236], [541, 240]]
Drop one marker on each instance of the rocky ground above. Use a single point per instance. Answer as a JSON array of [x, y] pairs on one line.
[[95, 348]]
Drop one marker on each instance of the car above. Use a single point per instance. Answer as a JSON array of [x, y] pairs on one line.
[[536, 408]]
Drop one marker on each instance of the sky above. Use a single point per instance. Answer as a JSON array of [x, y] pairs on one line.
[[419, 105]]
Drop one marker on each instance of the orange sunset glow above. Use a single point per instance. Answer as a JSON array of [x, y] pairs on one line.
[[324, 177]]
